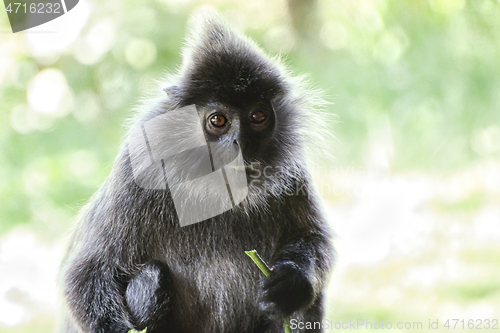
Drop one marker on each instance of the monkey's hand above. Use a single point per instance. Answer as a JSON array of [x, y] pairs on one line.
[[148, 295], [286, 290]]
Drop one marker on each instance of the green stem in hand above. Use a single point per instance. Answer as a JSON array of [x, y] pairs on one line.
[[265, 269]]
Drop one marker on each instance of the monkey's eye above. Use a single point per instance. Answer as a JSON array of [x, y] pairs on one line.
[[218, 120], [258, 117]]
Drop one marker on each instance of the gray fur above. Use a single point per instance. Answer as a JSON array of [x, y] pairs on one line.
[[131, 265]]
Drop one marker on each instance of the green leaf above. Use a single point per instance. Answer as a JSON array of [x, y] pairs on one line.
[[136, 331]]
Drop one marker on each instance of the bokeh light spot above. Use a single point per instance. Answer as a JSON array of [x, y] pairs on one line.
[[48, 93], [140, 52], [333, 35], [486, 141], [87, 106], [447, 7], [96, 43]]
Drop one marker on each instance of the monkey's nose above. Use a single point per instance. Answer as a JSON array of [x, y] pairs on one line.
[[234, 132]]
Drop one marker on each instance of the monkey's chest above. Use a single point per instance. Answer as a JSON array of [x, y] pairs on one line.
[[220, 292]]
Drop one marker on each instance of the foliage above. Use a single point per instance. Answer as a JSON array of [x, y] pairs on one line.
[[414, 85]]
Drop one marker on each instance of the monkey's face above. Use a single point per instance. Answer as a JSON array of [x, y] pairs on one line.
[[254, 128], [243, 98]]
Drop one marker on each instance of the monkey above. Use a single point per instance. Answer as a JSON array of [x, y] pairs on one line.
[[131, 264]]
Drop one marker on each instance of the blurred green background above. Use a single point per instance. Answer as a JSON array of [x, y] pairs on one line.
[[413, 191]]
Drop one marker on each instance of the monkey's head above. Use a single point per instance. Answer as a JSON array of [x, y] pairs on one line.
[[239, 91], [246, 98]]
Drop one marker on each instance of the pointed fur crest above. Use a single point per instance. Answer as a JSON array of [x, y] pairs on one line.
[[220, 63]]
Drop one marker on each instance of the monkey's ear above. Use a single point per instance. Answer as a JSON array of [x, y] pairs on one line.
[[172, 91]]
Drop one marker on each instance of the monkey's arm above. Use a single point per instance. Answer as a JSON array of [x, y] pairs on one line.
[[104, 298], [94, 296], [298, 273]]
